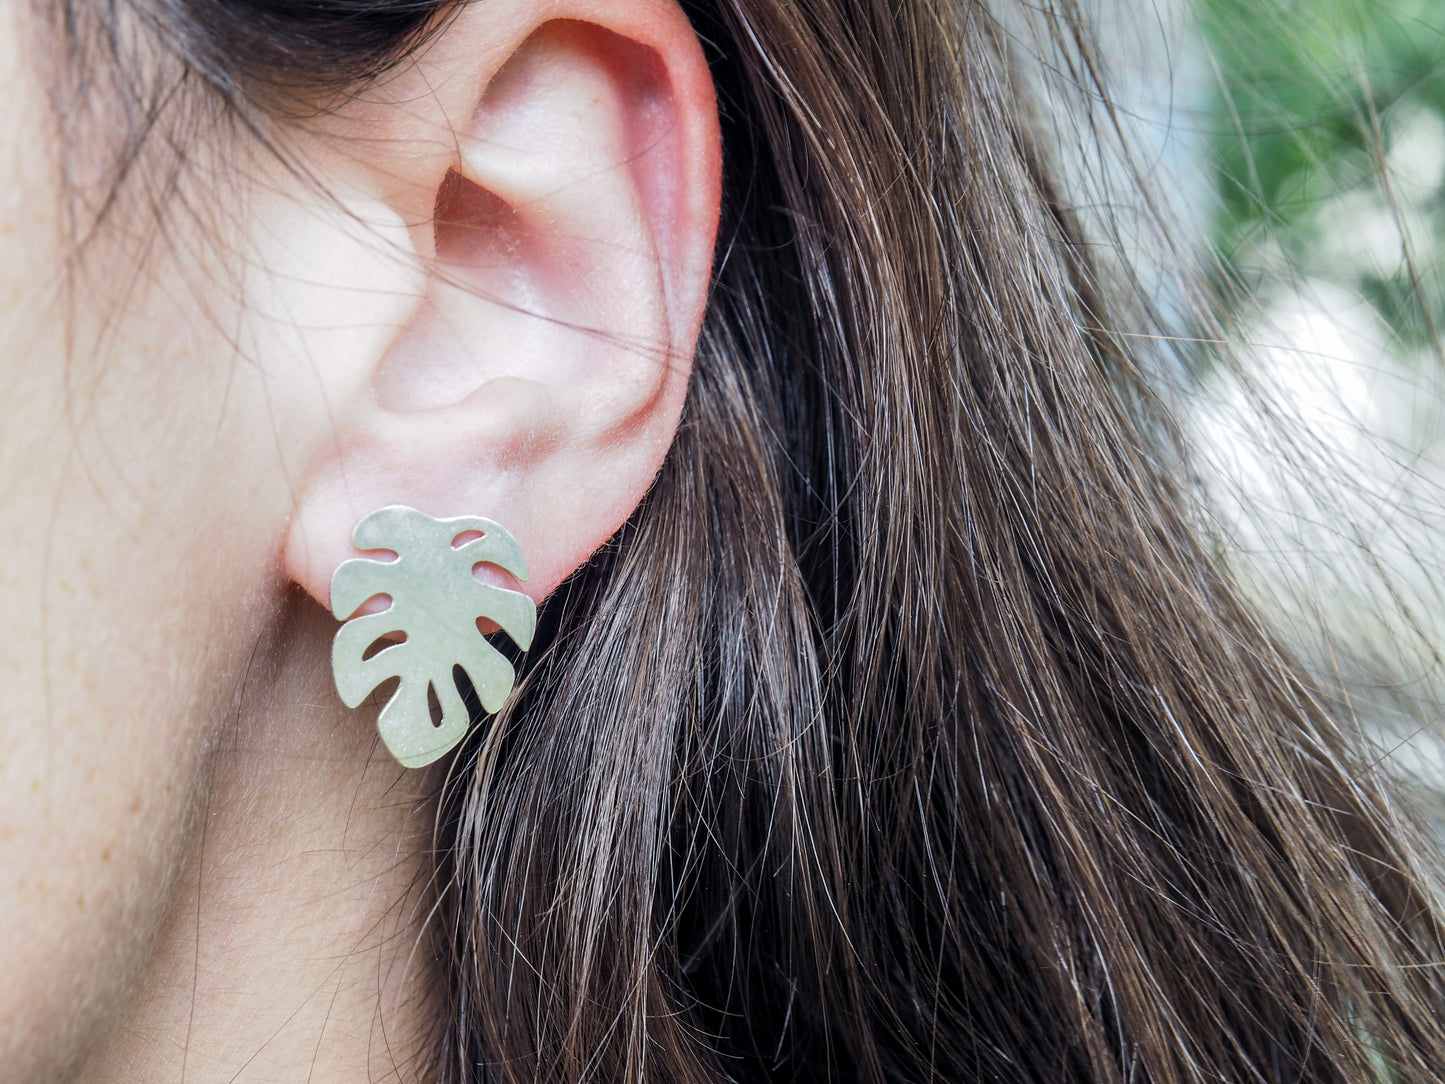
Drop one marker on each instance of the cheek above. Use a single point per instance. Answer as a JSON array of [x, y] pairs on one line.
[[142, 500], [139, 518], [147, 474]]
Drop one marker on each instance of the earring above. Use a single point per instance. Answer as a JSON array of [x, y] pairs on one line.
[[435, 604]]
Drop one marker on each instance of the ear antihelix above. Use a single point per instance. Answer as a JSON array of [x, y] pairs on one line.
[[435, 602]]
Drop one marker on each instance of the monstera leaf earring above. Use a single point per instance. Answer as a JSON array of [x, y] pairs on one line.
[[435, 604]]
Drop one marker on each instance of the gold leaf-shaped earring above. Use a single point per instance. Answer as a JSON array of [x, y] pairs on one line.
[[435, 604]]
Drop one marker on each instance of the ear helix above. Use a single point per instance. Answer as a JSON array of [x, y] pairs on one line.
[[435, 603]]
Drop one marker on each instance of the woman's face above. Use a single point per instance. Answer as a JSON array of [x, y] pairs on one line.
[[141, 507], [199, 403]]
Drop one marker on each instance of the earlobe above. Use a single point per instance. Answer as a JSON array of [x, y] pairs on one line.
[[538, 379]]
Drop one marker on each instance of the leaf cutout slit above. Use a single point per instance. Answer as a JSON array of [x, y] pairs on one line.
[[381, 643], [378, 603], [468, 693], [433, 704]]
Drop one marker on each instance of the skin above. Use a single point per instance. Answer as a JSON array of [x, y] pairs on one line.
[[209, 869]]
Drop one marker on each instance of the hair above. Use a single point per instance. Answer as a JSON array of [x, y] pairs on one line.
[[909, 730]]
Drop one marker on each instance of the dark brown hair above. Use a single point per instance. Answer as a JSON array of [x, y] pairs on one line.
[[909, 730]]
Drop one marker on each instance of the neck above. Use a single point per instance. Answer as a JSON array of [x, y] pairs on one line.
[[293, 949]]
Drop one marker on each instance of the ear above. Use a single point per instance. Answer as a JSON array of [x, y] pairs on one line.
[[555, 168]]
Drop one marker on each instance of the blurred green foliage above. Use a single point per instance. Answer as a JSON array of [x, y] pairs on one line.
[[1328, 136]]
